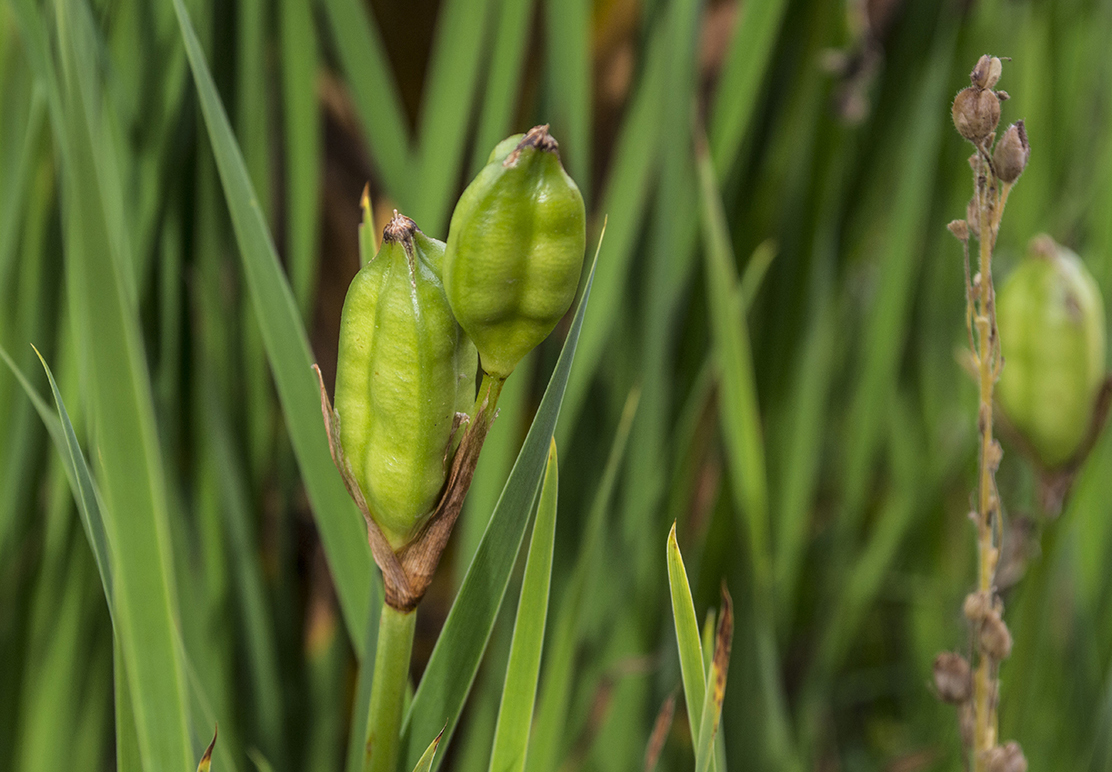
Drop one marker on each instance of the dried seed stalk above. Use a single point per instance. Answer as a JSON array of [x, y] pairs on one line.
[[975, 114]]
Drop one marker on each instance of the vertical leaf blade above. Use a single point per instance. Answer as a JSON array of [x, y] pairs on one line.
[[515, 714]]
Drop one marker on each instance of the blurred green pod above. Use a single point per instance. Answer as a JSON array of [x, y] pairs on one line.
[[515, 250], [1051, 320], [403, 370]]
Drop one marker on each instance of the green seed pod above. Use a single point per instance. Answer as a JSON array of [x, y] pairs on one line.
[[404, 367], [515, 250], [1051, 320]]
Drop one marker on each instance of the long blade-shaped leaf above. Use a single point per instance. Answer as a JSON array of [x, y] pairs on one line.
[[287, 348], [736, 97], [455, 660], [445, 112], [103, 307], [515, 714], [500, 98], [687, 633], [559, 669], [372, 87]]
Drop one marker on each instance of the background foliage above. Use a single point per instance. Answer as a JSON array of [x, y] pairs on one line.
[[781, 307]]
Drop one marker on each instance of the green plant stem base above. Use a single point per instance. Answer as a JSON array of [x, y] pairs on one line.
[[384, 718]]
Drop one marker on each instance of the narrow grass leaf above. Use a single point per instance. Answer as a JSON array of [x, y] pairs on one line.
[[559, 675], [504, 79], [741, 422], [886, 330], [624, 199], [741, 428], [103, 307], [287, 347], [687, 632], [459, 649], [515, 714], [376, 98], [446, 110], [568, 43], [716, 686], [746, 63], [303, 146]]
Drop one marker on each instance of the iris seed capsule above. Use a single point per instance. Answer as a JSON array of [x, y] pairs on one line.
[[515, 250], [403, 368], [1051, 320]]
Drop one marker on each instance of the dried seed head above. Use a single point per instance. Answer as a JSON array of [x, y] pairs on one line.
[[976, 111], [1011, 154], [977, 606], [960, 229], [987, 72], [952, 677], [996, 641], [1006, 758]]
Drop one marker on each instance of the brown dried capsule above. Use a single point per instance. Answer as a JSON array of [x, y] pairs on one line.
[[976, 112], [960, 229], [996, 641], [1006, 758], [1011, 154], [952, 677], [986, 73], [977, 606]]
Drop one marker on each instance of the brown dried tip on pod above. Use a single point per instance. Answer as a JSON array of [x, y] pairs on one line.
[[987, 72], [1011, 154], [996, 641], [960, 229], [1006, 758], [952, 677], [976, 111]]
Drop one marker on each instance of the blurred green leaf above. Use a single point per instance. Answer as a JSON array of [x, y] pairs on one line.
[[341, 526]]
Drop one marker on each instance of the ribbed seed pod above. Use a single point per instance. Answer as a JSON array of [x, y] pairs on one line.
[[1051, 320], [404, 366], [515, 250]]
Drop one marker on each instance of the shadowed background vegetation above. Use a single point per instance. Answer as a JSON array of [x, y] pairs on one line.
[[799, 408]]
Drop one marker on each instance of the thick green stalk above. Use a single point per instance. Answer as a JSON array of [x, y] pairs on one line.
[[384, 717]]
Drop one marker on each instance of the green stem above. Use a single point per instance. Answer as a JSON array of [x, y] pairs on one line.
[[489, 390], [384, 716]]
